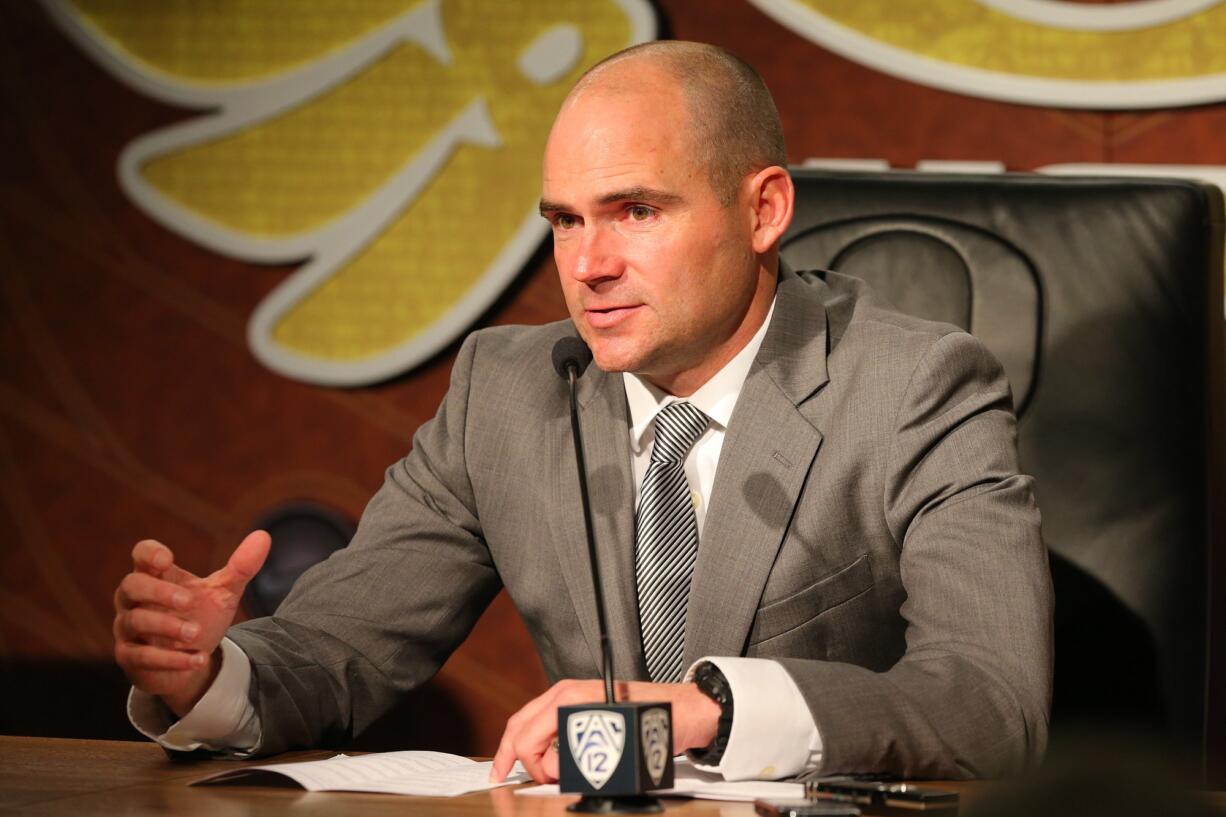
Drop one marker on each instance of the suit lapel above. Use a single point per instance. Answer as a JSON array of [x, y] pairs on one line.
[[605, 423], [767, 453]]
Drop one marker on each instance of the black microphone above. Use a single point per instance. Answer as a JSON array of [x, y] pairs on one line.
[[610, 753], [571, 357], [571, 352]]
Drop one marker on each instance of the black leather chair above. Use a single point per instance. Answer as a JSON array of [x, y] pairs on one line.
[[1102, 297]]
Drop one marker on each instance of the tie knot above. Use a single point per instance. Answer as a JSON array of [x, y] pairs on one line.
[[678, 427]]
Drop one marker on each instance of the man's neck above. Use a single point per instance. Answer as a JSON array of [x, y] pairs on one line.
[[688, 381], [716, 398]]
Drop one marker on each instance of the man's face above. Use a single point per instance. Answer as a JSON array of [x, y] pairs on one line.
[[657, 273]]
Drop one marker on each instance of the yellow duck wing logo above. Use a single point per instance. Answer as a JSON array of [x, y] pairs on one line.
[[393, 147], [1140, 54]]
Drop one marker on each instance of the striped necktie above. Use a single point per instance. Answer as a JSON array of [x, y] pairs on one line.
[[666, 540]]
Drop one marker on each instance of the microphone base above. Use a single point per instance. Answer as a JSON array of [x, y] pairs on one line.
[[624, 804]]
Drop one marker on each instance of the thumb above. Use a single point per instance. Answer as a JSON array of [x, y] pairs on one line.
[[246, 561]]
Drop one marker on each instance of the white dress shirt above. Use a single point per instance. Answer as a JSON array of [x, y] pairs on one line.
[[773, 733], [223, 720]]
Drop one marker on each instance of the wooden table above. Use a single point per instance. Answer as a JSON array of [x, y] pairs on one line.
[[44, 776]]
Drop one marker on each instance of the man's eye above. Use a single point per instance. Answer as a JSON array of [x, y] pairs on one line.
[[564, 221], [640, 212]]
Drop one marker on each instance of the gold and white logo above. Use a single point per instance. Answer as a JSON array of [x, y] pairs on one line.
[[391, 146], [1138, 54]]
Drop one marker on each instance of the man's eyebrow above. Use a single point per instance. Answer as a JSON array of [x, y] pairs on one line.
[[645, 194]]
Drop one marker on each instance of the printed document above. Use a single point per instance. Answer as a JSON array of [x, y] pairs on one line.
[[428, 774]]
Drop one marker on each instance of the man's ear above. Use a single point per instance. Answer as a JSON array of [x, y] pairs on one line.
[[771, 198]]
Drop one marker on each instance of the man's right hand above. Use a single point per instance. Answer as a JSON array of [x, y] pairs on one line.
[[169, 622]]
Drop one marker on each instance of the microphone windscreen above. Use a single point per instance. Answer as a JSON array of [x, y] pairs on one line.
[[571, 350]]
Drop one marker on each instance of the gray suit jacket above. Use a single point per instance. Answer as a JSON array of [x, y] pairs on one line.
[[867, 528]]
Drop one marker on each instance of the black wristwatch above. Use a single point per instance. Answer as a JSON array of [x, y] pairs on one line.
[[712, 683]]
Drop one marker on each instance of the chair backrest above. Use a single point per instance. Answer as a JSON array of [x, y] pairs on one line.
[[1102, 298]]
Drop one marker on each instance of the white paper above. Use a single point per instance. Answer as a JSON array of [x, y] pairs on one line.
[[430, 774], [736, 791], [691, 782]]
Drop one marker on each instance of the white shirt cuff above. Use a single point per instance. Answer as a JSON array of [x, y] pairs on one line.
[[222, 720], [773, 733]]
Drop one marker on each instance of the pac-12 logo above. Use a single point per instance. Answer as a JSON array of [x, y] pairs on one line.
[[657, 742], [596, 738], [390, 147]]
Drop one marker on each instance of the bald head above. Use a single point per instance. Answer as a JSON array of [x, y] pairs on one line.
[[734, 125]]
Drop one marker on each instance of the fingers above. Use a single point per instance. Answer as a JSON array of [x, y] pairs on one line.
[[141, 588], [504, 758], [530, 732], [550, 763], [534, 741], [246, 561], [145, 657], [152, 557], [507, 752], [154, 627]]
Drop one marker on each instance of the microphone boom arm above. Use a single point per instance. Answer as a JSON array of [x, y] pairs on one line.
[[606, 654]]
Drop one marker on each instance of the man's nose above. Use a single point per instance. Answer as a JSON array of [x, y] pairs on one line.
[[599, 257]]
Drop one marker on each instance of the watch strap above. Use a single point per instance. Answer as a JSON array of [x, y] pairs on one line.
[[712, 683]]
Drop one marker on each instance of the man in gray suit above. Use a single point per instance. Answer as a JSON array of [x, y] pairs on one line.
[[806, 501]]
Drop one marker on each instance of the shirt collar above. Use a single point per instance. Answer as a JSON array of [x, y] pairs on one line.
[[716, 398]]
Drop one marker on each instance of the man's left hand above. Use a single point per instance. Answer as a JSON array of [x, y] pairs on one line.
[[531, 731]]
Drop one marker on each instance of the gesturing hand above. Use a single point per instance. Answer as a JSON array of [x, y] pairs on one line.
[[530, 731], [169, 622]]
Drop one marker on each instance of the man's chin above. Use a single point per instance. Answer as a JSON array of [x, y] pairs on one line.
[[615, 360]]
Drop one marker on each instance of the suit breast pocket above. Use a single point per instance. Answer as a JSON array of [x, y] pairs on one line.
[[801, 607]]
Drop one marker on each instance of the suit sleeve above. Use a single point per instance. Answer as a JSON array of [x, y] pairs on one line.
[[381, 616], [970, 696]]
